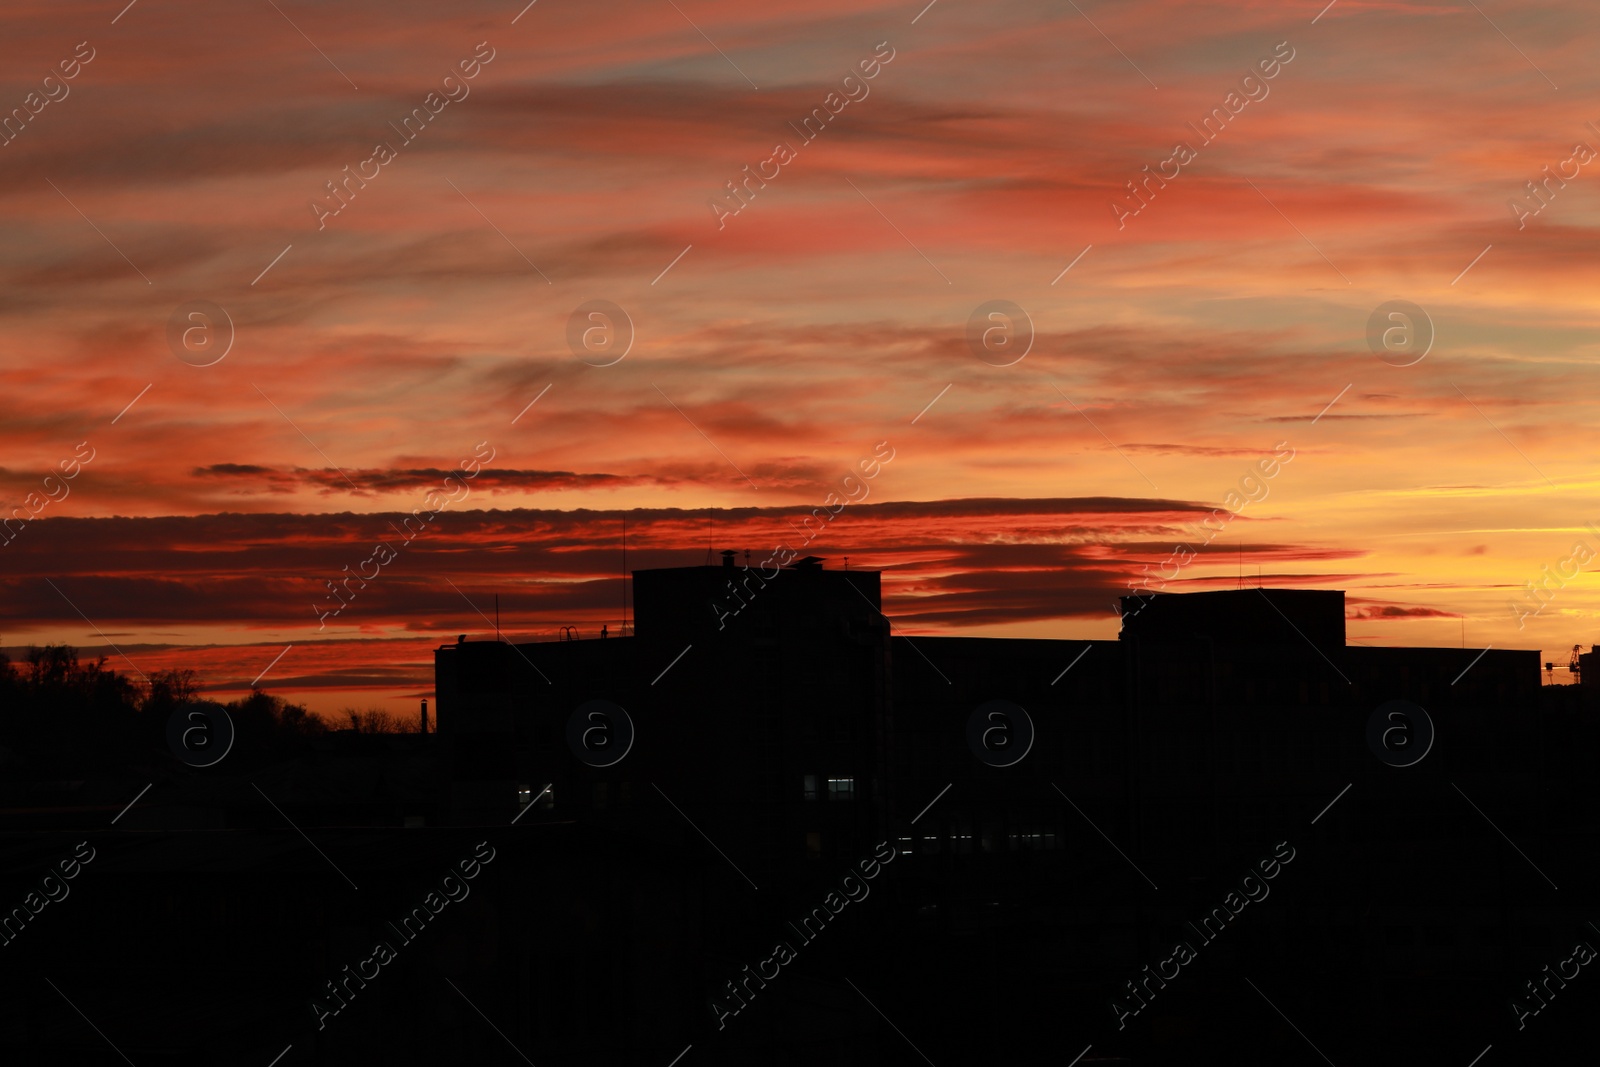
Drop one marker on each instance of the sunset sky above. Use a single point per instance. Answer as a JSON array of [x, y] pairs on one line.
[[375, 350]]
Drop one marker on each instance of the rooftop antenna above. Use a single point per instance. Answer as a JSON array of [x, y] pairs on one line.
[[624, 575], [497, 616], [1241, 564]]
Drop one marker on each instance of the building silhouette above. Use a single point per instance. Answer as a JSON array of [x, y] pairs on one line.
[[666, 803]]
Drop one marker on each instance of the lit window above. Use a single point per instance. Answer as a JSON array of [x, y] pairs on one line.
[[841, 788], [524, 795], [811, 787]]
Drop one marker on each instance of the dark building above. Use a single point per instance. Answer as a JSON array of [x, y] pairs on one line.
[[760, 706], [1219, 724]]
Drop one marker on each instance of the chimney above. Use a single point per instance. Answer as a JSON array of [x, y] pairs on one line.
[[727, 559], [424, 715]]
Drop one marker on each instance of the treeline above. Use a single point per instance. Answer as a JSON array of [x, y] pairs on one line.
[[62, 715]]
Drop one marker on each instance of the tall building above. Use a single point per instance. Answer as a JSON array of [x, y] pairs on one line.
[[759, 704], [1064, 810]]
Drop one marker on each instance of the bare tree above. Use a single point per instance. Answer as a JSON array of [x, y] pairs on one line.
[[378, 721]]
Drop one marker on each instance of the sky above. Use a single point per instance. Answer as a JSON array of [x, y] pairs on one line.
[[1189, 305]]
